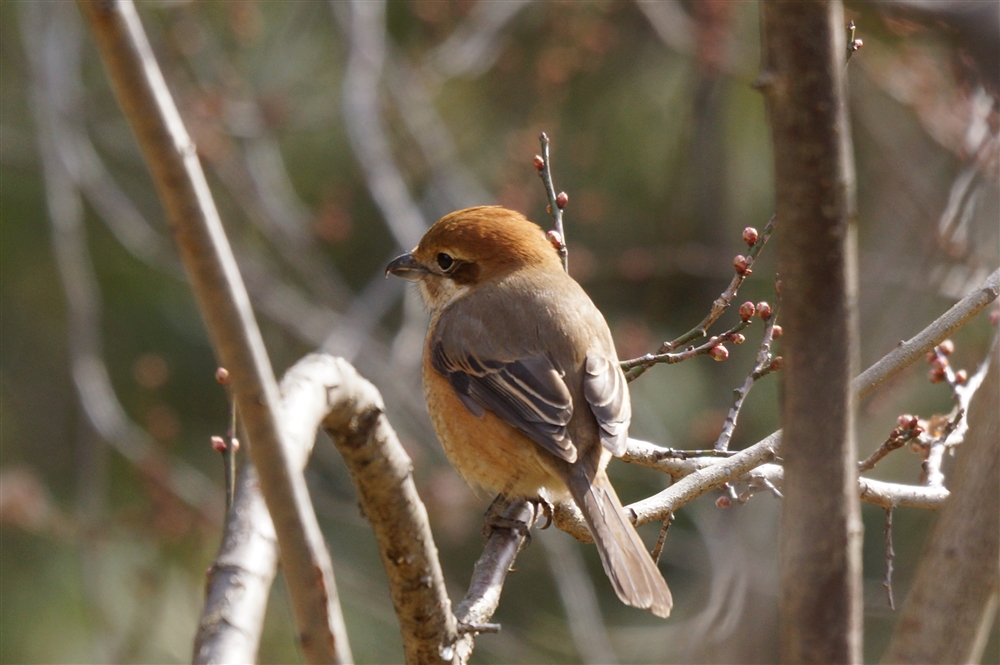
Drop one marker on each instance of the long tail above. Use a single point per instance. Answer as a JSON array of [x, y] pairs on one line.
[[635, 577]]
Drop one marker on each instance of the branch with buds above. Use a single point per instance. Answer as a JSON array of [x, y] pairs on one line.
[[557, 202]]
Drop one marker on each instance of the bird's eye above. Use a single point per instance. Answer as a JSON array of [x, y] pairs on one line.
[[445, 262]]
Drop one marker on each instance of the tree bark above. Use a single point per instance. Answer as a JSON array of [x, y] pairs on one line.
[[803, 80]]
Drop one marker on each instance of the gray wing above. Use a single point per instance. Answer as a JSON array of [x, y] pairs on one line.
[[605, 390], [528, 393]]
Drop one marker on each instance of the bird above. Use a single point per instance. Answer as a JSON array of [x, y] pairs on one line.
[[522, 380]]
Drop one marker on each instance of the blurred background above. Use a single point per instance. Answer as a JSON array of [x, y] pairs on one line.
[[333, 134]]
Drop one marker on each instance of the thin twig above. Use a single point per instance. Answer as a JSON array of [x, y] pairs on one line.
[[898, 438], [762, 367], [662, 539], [545, 173], [725, 299], [636, 367], [890, 553]]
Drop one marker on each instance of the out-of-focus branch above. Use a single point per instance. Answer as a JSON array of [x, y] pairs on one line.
[[958, 573], [804, 86], [56, 95], [382, 475], [225, 306], [579, 599], [363, 118]]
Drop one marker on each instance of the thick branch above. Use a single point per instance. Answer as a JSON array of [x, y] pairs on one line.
[[382, 475], [225, 306], [803, 47]]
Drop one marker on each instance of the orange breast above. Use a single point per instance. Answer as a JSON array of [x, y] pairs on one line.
[[486, 451]]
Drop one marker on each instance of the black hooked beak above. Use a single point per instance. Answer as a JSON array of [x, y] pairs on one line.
[[405, 266]]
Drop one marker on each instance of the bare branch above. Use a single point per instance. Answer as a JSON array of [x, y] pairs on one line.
[[491, 570], [222, 298], [382, 475], [941, 617], [941, 329]]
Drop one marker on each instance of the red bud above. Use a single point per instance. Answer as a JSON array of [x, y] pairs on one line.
[[961, 376], [740, 263], [539, 162], [747, 311], [777, 362], [562, 198], [904, 421], [750, 236], [737, 338], [719, 353], [776, 331], [218, 444], [763, 311], [946, 347], [723, 502], [222, 375], [555, 239]]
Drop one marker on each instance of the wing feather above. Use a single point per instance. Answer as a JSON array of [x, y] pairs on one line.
[[605, 390], [527, 393]]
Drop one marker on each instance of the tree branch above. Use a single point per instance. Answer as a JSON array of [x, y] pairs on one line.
[[958, 572], [225, 306], [803, 52], [382, 475]]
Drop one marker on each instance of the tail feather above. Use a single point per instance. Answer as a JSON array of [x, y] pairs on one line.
[[631, 569]]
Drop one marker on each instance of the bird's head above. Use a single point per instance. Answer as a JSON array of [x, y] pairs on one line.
[[470, 247]]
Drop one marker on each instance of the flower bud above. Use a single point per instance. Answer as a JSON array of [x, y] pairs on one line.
[[562, 198], [548, 209], [723, 502], [737, 338], [555, 238], [776, 331], [763, 311], [904, 421], [222, 375], [235, 443], [946, 347], [750, 236], [747, 311], [539, 162], [218, 444], [936, 375], [740, 263], [719, 353], [961, 377], [995, 317], [777, 362]]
